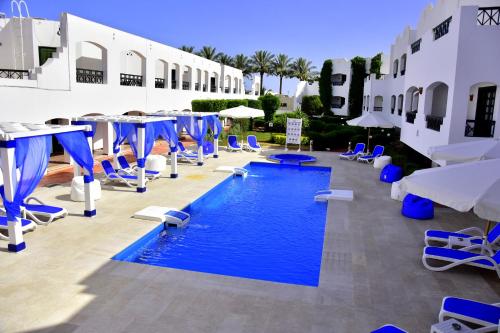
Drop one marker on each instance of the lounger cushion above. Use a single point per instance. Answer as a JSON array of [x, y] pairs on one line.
[[484, 312], [452, 254], [445, 235], [123, 176], [389, 329], [45, 209], [177, 214], [3, 222], [152, 172]]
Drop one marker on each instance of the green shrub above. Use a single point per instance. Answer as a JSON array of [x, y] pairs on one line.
[[312, 105], [254, 103], [259, 122], [270, 104], [208, 105], [376, 64], [280, 139], [232, 103], [325, 85], [358, 73], [279, 120]]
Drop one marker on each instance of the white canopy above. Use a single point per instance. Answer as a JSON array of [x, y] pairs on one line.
[[370, 119], [460, 186], [241, 112], [466, 151]]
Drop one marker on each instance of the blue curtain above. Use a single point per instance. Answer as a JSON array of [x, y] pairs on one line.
[[133, 139], [121, 130], [191, 125], [32, 159], [76, 144], [166, 130], [215, 125]]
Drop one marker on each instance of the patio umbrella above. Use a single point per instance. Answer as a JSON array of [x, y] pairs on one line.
[[370, 120], [466, 186], [241, 112], [466, 151]]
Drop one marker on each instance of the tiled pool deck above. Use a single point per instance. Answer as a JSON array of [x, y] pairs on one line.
[[371, 270]]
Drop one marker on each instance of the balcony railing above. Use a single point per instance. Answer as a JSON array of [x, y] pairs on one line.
[[185, 85], [403, 71], [395, 74], [204, 87], [257, 93], [173, 84], [410, 116], [130, 80], [234, 90], [400, 112], [392, 110], [338, 79], [434, 122], [378, 108], [415, 46], [226, 90], [14, 74], [197, 86], [442, 29], [89, 76], [159, 83], [213, 89], [486, 129], [488, 16]]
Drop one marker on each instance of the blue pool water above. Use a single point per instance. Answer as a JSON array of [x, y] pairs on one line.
[[266, 226]]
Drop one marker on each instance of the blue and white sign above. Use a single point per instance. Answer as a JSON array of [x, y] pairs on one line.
[[293, 131]]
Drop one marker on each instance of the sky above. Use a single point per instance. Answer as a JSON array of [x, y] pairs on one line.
[[313, 29]]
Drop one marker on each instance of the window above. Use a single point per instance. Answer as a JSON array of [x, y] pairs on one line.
[[442, 29]]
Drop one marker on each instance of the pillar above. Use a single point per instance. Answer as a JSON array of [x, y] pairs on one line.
[[107, 144], [200, 148], [8, 165], [141, 172], [88, 181]]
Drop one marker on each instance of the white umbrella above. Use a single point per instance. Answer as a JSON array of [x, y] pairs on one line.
[[370, 120], [241, 112], [466, 151]]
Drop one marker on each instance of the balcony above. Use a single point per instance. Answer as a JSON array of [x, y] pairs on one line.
[[434, 122], [159, 83], [403, 72], [415, 46], [213, 89], [257, 93], [378, 108], [338, 102], [338, 79], [226, 90], [234, 90], [197, 86], [485, 129], [89, 76], [14, 74], [130, 80], [173, 84], [488, 16], [395, 75], [185, 85], [204, 88], [392, 110], [442, 29], [400, 112], [410, 117]]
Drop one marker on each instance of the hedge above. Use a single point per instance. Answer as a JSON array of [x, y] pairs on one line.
[[217, 105], [281, 139], [270, 104], [254, 103], [312, 105]]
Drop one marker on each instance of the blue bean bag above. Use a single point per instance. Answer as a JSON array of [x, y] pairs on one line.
[[391, 173], [418, 208]]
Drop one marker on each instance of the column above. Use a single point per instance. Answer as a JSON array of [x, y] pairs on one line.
[[108, 138], [8, 165], [141, 173], [200, 148], [116, 165], [173, 158], [88, 181]]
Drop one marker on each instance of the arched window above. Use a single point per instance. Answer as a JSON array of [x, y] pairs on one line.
[[403, 64], [91, 63], [393, 104], [436, 102], [395, 67], [132, 69]]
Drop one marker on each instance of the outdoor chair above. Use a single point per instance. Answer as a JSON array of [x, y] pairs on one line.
[[252, 144], [377, 151], [353, 154], [487, 316], [41, 213], [132, 171], [186, 154], [473, 235], [115, 177], [232, 143]]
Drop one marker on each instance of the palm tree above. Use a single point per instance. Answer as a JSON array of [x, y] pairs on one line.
[[282, 67], [185, 48], [209, 52], [242, 62], [225, 59], [262, 62], [303, 70]]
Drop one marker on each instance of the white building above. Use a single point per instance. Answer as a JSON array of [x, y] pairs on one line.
[[444, 76], [53, 71]]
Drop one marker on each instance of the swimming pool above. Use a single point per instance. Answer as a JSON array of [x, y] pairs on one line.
[[265, 226]]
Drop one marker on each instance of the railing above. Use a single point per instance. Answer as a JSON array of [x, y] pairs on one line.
[[400, 112], [257, 93], [226, 90], [338, 79], [442, 29], [13, 74], [130, 80], [204, 87], [338, 102], [395, 75], [434, 122], [410, 116], [197, 86], [486, 130], [403, 71], [185, 85], [378, 108], [159, 83], [173, 84], [213, 89], [234, 90], [415, 46], [89, 76], [392, 110], [488, 16]]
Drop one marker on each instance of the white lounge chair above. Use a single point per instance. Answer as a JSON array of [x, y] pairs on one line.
[[186, 154], [232, 143], [166, 215], [472, 236], [47, 213], [132, 171], [353, 154], [252, 144], [487, 316], [115, 177], [377, 151]]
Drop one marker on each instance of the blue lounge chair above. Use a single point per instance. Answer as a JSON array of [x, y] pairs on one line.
[[41, 213], [377, 151], [389, 329], [132, 171], [487, 259], [185, 154], [252, 144], [473, 235], [353, 154], [114, 177], [232, 143], [26, 225], [487, 316]]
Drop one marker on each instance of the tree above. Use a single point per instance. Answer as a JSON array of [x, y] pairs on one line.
[[358, 73], [325, 85], [303, 69], [270, 104], [242, 62], [209, 53], [311, 105], [282, 67], [185, 48], [376, 64], [225, 59], [262, 62]]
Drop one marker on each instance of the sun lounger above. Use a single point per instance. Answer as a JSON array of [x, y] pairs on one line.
[[26, 225], [353, 154], [232, 143], [185, 154], [166, 215], [252, 144], [468, 237], [41, 213], [115, 177], [475, 255], [487, 316], [389, 329], [377, 151], [129, 170]]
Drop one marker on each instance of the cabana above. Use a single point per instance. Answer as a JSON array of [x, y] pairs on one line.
[[24, 156], [196, 125], [141, 133]]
